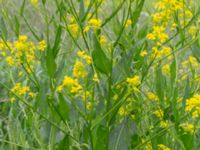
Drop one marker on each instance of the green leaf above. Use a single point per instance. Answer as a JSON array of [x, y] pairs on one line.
[[43, 2], [3, 29], [81, 10], [57, 41], [159, 83], [136, 13], [52, 53], [63, 107], [173, 70], [101, 62], [188, 140], [17, 26], [50, 62], [64, 144], [135, 140], [102, 138], [22, 8]]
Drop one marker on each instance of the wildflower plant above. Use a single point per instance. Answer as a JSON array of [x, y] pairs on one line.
[[99, 74]]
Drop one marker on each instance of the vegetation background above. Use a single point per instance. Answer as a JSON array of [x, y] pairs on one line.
[[99, 74]]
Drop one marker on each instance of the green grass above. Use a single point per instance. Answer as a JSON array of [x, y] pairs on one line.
[[99, 75]]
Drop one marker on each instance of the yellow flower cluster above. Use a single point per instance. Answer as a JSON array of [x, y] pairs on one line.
[[73, 26], [162, 147], [35, 2], [21, 51], [128, 23], [166, 69], [187, 127], [93, 24], [103, 39], [19, 89], [159, 113], [163, 22], [71, 84], [133, 82], [152, 96], [122, 111], [158, 34], [42, 45], [126, 108], [79, 70], [83, 55], [193, 105]]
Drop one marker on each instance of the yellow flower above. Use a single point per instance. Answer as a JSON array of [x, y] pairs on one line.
[[143, 53], [83, 55], [59, 88], [23, 38], [86, 29], [151, 36], [95, 78], [159, 113], [95, 23], [103, 39], [19, 89], [163, 147], [68, 81], [122, 111], [128, 23], [134, 81], [79, 70], [42, 45], [164, 124], [74, 29], [35, 2], [187, 127], [10, 60], [193, 105], [151, 96], [193, 61], [71, 84], [193, 31], [166, 69]]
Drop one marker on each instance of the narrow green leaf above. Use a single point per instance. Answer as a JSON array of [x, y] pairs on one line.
[[22, 8], [81, 10], [63, 107], [102, 138], [43, 2], [3, 29], [64, 143], [17, 26], [101, 62], [159, 83], [136, 13], [50, 62], [57, 41]]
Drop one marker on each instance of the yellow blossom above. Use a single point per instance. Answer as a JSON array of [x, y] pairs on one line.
[[95, 78], [163, 147], [193, 105], [166, 69], [159, 113], [152, 96], [10, 60], [187, 127], [128, 23], [42, 45], [95, 23], [143, 53], [79, 70]]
